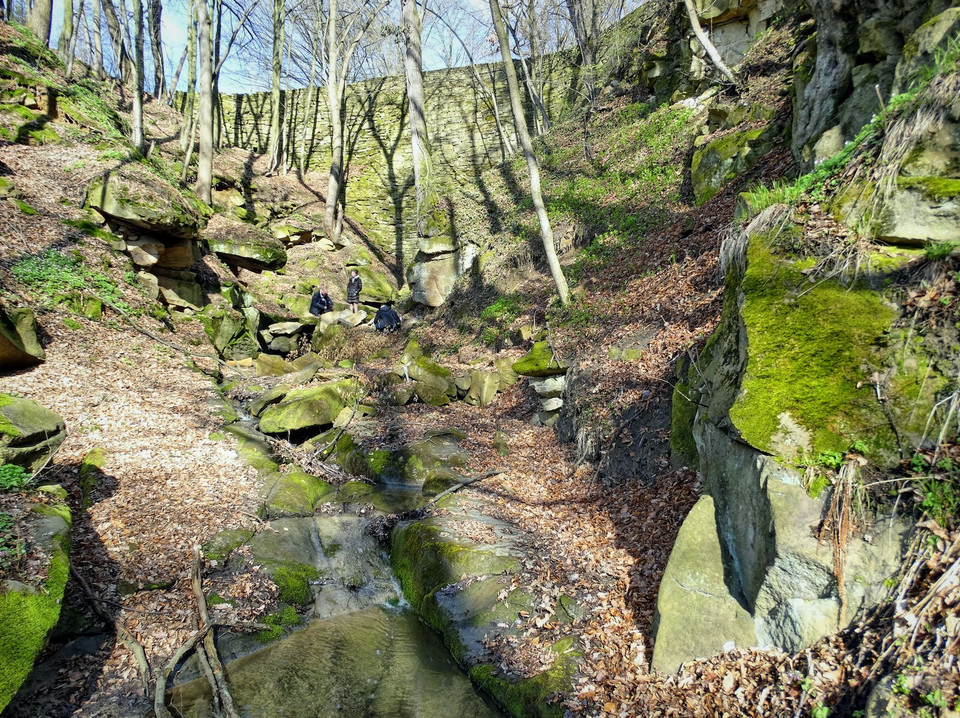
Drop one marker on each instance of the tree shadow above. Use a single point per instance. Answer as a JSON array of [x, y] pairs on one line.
[[70, 669]]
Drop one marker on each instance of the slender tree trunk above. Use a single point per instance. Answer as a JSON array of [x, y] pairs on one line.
[[190, 99], [137, 134], [275, 140], [175, 80], [585, 21], [97, 45], [124, 63], [72, 46], [419, 140], [66, 31], [533, 166], [712, 52], [39, 19], [311, 93], [205, 152], [155, 12], [217, 113], [331, 221]]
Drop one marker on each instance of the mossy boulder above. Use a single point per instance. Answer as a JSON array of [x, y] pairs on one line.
[[242, 245], [232, 333], [426, 371], [134, 195], [28, 614], [293, 494], [920, 50], [377, 287], [308, 407], [728, 157], [222, 544], [289, 555], [483, 387], [29, 433], [805, 389], [539, 361], [19, 345]]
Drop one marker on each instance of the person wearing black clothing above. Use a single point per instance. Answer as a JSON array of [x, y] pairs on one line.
[[320, 303], [386, 320], [354, 286]]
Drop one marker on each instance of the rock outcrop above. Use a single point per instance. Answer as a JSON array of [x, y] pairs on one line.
[[19, 345], [29, 433]]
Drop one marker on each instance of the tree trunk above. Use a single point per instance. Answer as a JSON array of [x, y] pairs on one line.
[[513, 85], [39, 19], [137, 129], [332, 223], [205, 121], [584, 19], [124, 63], [190, 99], [66, 32], [72, 45], [311, 93], [174, 81], [419, 140], [155, 11], [97, 45], [273, 152], [707, 45]]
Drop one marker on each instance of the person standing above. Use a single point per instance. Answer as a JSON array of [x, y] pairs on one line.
[[354, 286]]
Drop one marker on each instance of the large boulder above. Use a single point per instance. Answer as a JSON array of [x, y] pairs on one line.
[[728, 157], [376, 286], [233, 334], [540, 361], [29, 433], [293, 494], [785, 377], [19, 346], [138, 197], [308, 407], [483, 387], [242, 245]]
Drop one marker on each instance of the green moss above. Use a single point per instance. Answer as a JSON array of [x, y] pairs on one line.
[[293, 581], [937, 188], [816, 487], [378, 461], [683, 448], [807, 351], [279, 621], [26, 620], [25, 208], [215, 599], [90, 469], [59, 510], [534, 697], [72, 324], [7, 428], [224, 543]]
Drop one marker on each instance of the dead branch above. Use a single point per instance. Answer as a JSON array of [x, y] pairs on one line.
[[471, 480], [707, 44], [122, 632]]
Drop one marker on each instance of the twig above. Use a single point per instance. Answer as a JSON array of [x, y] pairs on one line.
[[471, 480]]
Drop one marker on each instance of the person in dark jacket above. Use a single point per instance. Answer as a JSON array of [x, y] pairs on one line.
[[354, 286], [386, 320], [320, 303]]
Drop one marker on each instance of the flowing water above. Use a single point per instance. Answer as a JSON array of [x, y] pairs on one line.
[[378, 662]]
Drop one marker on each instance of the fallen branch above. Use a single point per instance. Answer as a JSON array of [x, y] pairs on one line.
[[471, 480], [122, 632]]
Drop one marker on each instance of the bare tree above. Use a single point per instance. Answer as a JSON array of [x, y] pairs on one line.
[[533, 166], [125, 69], [154, 13], [276, 67], [137, 128], [97, 40], [419, 140], [39, 19], [66, 30], [343, 36], [205, 121], [585, 20]]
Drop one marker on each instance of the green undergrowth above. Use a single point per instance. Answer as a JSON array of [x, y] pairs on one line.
[[810, 347], [63, 276]]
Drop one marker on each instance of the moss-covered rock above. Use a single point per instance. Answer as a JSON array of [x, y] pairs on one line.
[[243, 245], [91, 470], [377, 287], [27, 614], [313, 406], [222, 544], [728, 157], [133, 194], [539, 361], [483, 387], [232, 333], [19, 345], [293, 494], [29, 433]]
